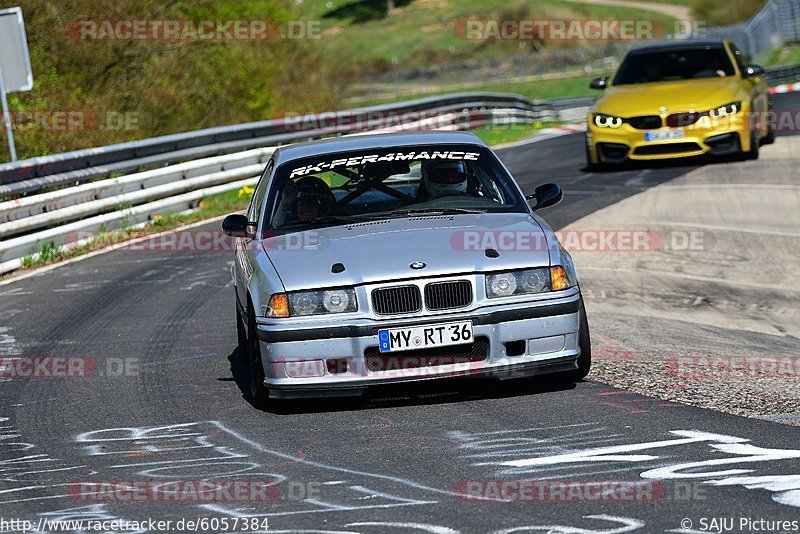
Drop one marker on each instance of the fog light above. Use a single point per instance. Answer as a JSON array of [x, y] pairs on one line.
[[305, 369]]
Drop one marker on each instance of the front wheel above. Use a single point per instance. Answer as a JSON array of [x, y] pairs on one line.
[[600, 166], [591, 167], [753, 152], [258, 391], [770, 137], [585, 344], [241, 335]]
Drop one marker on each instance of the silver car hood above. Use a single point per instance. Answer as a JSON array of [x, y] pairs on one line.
[[383, 251]]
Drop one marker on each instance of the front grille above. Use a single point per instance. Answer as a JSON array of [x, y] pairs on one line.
[[645, 122], [448, 295], [476, 351], [666, 148], [396, 300], [677, 120]]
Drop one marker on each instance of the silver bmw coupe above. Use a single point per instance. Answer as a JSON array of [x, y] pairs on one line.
[[376, 259]]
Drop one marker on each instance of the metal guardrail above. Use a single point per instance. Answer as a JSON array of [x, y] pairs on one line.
[[26, 223], [13, 250], [30, 213], [780, 75], [57, 167], [47, 203], [86, 206]]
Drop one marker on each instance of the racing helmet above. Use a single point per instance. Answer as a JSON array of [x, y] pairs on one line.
[[312, 188], [440, 177]]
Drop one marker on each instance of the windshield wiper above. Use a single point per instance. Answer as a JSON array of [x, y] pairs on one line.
[[426, 211], [327, 219]]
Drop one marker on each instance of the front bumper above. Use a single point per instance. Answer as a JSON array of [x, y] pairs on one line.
[[606, 145], [340, 360]]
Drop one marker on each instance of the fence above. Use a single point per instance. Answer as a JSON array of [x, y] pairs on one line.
[[776, 24]]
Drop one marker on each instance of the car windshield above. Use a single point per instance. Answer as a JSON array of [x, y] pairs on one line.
[[673, 65], [354, 186]]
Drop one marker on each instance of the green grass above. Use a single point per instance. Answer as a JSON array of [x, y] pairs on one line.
[[547, 89], [577, 86], [499, 135], [211, 206], [422, 32], [787, 55], [677, 2], [716, 13]]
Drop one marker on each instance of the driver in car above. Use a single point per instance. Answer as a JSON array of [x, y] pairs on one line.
[[443, 178], [314, 198]]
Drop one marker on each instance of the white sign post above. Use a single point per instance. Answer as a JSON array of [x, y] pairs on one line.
[[15, 64]]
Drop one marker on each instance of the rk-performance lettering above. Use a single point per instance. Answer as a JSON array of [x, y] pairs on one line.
[[374, 158]]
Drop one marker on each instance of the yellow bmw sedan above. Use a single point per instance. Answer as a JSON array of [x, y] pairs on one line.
[[676, 100]]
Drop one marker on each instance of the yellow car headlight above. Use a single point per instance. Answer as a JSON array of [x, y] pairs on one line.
[[607, 121], [725, 111]]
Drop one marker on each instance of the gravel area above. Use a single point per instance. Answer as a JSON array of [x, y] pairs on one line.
[[715, 324]]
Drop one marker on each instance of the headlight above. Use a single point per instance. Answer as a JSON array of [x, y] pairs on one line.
[[607, 121], [303, 303], [528, 282], [723, 111]]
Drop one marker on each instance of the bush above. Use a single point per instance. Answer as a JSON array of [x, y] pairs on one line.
[[156, 87]]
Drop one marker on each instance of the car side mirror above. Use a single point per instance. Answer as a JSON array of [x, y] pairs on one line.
[[751, 71], [546, 195], [236, 225], [599, 83]]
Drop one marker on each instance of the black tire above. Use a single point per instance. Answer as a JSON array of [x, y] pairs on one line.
[[585, 344], [241, 335], [769, 138], [591, 167], [753, 152], [258, 391]]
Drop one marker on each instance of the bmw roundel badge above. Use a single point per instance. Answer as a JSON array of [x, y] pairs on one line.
[[418, 265]]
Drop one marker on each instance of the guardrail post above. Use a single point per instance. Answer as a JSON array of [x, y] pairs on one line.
[[7, 118]]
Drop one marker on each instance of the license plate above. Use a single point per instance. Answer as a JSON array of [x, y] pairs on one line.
[[424, 337], [664, 135]]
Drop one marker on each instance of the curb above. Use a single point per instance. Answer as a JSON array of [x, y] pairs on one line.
[[784, 88]]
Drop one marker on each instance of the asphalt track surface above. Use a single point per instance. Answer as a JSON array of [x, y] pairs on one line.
[[397, 460]]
